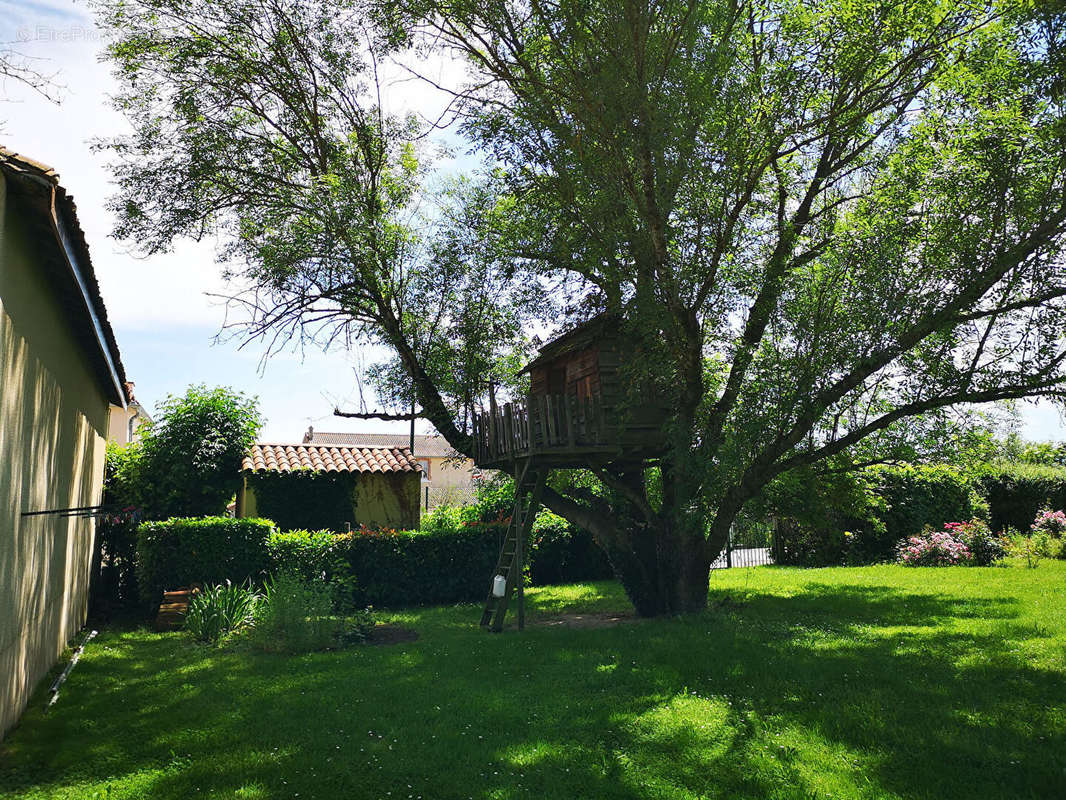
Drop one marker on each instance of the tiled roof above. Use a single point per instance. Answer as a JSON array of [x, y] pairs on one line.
[[328, 458], [425, 446]]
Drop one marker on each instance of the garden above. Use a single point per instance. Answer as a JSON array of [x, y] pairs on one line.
[[908, 643], [848, 682]]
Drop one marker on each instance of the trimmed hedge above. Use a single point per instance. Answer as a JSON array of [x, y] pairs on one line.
[[1017, 492], [450, 561], [860, 518], [915, 497], [406, 568], [183, 550]]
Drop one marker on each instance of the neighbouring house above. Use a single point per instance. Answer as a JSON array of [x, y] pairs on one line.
[[446, 475], [334, 487], [60, 372], [125, 423]]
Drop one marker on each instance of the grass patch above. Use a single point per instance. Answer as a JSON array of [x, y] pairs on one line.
[[877, 682]]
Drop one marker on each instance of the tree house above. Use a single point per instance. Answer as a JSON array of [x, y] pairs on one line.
[[574, 416]]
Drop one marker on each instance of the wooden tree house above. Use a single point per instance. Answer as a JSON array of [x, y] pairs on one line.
[[577, 414]]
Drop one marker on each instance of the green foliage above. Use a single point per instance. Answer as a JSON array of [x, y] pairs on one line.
[[191, 456], [122, 474], [826, 517], [307, 554], [306, 499], [116, 531], [985, 547], [850, 207], [919, 496], [1017, 492], [860, 517], [181, 551], [560, 552], [402, 568], [312, 556], [1032, 547], [495, 498], [295, 616], [218, 611]]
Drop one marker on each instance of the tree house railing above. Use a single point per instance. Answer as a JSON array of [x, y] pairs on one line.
[[544, 425]]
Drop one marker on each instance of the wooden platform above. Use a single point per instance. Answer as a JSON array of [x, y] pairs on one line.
[[171, 614], [561, 431]]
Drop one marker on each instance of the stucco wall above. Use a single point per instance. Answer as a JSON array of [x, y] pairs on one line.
[[388, 500], [448, 473], [382, 500], [53, 420]]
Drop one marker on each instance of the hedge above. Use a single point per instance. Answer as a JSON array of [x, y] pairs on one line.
[[917, 496], [184, 550], [450, 561], [859, 518], [562, 553], [1017, 492], [404, 568]]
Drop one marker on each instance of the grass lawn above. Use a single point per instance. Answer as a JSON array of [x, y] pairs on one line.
[[877, 682]]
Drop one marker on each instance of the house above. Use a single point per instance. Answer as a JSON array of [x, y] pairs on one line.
[[446, 475], [60, 372], [125, 423], [334, 487]]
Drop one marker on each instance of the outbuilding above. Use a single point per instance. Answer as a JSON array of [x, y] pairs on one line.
[[331, 487]]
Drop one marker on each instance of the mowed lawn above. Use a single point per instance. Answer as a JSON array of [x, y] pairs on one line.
[[878, 682]]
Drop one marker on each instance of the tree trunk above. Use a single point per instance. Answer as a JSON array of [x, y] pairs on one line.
[[664, 573]]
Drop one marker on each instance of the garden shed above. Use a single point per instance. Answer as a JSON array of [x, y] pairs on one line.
[[334, 487]]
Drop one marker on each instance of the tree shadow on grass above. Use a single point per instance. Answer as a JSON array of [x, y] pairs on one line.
[[848, 691]]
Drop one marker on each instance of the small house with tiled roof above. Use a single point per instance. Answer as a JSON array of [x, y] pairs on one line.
[[330, 487]]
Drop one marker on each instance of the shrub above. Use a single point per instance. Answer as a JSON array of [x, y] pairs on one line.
[[313, 555], [116, 531], [181, 551], [190, 458], [1033, 546], [1053, 523], [1017, 492], [218, 611], [308, 554], [295, 615], [933, 549], [978, 538], [562, 553], [815, 510], [398, 568], [919, 496]]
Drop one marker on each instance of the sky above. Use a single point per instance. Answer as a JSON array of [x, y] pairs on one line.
[[164, 319]]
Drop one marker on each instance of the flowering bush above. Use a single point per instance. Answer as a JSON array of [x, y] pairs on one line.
[[978, 538], [1050, 522], [934, 549]]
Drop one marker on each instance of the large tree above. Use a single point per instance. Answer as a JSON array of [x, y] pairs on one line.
[[818, 221]]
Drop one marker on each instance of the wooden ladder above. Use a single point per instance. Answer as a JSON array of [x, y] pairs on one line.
[[529, 485]]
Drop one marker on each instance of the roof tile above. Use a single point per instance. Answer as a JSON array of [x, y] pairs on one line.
[[328, 458]]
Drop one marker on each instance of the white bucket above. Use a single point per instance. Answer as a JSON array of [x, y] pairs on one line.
[[499, 586]]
